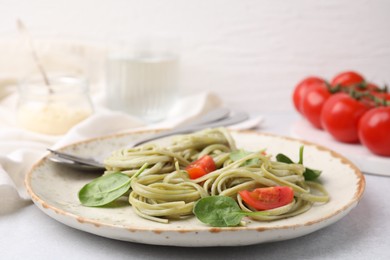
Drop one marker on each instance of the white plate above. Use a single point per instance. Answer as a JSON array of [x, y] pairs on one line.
[[54, 190], [359, 155]]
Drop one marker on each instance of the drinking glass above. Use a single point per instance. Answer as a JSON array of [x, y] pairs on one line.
[[142, 77]]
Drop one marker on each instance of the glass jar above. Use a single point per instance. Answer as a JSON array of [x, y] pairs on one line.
[[53, 109]]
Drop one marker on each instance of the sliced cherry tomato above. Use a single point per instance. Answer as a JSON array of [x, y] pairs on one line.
[[347, 79], [301, 89], [374, 130], [268, 198], [340, 117], [201, 167], [312, 104]]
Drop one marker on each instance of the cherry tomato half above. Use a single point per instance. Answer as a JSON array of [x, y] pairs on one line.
[[347, 79], [268, 198], [301, 89], [340, 117], [201, 167], [374, 130], [312, 103]]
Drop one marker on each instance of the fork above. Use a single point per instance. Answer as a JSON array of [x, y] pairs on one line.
[[216, 118]]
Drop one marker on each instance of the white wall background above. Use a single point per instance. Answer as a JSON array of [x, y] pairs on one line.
[[254, 50]]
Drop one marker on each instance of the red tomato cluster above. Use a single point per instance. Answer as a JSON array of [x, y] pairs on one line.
[[349, 108]]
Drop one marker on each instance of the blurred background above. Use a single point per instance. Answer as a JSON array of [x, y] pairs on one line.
[[255, 48]]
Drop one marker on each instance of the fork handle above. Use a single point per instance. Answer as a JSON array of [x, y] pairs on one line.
[[236, 118]]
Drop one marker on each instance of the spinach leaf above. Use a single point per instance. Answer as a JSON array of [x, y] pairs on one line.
[[221, 211], [283, 158], [309, 174], [239, 154], [106, 189]]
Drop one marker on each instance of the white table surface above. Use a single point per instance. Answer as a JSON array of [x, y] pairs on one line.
[[27, 233]]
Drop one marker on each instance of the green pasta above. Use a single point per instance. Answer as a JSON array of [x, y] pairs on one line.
[[164, 191]]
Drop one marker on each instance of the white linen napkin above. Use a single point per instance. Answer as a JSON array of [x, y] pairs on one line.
[[20, 148]]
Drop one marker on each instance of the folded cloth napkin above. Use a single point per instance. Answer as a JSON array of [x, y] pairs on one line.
[[20, 148]]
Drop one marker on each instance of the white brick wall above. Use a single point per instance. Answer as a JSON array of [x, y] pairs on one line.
[[251, 52]]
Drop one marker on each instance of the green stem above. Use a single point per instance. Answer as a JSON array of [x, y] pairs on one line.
[[301, 155]]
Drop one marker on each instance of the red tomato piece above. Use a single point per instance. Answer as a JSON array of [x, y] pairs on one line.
[[374, 130], [268, 198], [200, 167], [301, 89], [340, 117], [312, 104], [347, 79]]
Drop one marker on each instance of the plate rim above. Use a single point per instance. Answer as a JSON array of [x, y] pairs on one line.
[[42, 204]]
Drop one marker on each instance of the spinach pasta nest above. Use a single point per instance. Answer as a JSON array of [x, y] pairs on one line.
[[202, 172]]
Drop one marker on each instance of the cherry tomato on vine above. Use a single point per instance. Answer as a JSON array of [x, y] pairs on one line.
[[382, 98], [367, 87], [268, 198], [312, 103], [302, 88], [347, 79], [201, 167], [374, 130], [373, 96], [340, 117]]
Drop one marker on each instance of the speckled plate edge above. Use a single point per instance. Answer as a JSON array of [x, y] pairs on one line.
[[201, 235]]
